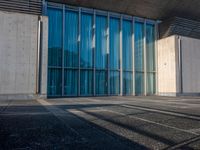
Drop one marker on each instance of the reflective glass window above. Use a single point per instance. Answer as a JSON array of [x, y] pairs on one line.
[[114, 56], [71, 55], [86, 40], [139, 58], [127, 57]]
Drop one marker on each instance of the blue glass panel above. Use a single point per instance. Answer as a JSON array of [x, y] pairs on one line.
[[150, 47], [127, 45], [86, 40], [151, 83], [139, 46], [101, 43], [71, 82], [55, 37], [71, 39], [139, 58], [127, 83], [139, 83], [54, 82], [101, 82], [114, 43], [86, 83], [114, 82]]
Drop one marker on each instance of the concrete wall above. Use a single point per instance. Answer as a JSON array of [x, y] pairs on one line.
[[167, 66], [190, 48], [178, 66], [18, 55]]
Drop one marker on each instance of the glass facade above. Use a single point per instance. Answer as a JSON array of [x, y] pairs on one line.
[[86, 55], [55, 52], [114, 56], [96, 53], [71, 53], [139, 58], [150, 58], [101, 56], [127, 53]]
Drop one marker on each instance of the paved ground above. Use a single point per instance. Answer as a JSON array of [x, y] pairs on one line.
[[101, 123]]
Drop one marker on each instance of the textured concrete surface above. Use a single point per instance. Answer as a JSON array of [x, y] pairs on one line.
[[190, 66], [101, 123], [167, 66], [18, 54]]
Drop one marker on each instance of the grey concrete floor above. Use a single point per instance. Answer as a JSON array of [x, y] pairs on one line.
[[117, 123]]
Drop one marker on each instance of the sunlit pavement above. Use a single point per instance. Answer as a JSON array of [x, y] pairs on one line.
[[101, 123]]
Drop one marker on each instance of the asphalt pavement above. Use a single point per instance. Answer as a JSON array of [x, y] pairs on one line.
[[102, 123]]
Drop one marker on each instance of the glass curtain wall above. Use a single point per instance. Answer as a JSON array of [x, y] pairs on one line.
[[139, 58], [127, 53], [101, 56], [71, 54], [55, 52], [84, 53], [150, 58], [114, 56]]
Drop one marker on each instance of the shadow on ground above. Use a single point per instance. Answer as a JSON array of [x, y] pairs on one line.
[[30, 125]]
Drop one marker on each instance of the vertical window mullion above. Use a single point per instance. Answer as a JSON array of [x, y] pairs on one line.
[[133, 53], [79, 53], [156, 57], [145, 61], [108, 52], [120, 55], [94, 52], [63, 47]]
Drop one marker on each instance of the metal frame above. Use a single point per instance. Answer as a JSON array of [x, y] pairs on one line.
[[79, 52], [108, 51], [145, 60], [33, 7], [133, 52], [94, 52], [156, 57], [107, 14], [180, 67], [121, 56], [63, 49]]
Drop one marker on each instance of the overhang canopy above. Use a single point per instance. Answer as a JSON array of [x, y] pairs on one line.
[[152, 9]]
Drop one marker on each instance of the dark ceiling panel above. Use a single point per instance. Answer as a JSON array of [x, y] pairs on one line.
[[153, 9]]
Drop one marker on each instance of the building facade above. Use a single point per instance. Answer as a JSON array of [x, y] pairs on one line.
[[67, 49]]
